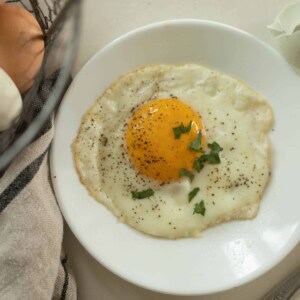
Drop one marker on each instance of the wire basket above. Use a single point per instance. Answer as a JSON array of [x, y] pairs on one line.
[[60, 22]]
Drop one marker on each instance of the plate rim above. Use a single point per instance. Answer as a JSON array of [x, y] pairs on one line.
[[239, 282]]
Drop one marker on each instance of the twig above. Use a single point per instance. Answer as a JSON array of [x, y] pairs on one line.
[[36, 12]]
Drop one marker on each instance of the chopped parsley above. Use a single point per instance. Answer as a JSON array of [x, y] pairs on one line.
[[193, 194], [215, 147], [178, 131], [195, 145], [187, 173], [143, 194], [211, 158], [198, 164], [199, 208]]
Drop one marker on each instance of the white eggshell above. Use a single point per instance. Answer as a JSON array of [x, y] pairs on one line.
[[286, 31], [288, 19], [290, 48], [10, 101]]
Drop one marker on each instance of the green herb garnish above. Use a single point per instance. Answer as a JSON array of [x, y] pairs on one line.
[[178, 131], [193, 193], [143, 194], [195, 145], [187, 173], [199, 208], [198, 164], [215, 147], [211, 158]]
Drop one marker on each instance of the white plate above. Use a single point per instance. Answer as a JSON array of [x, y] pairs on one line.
[[225, 256]]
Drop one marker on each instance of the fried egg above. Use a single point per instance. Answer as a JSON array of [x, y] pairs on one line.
[[174, 149]]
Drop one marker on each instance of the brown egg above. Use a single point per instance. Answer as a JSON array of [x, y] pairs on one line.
[[21, 45]]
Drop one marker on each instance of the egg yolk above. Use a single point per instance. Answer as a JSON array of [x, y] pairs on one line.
[[151, 142]]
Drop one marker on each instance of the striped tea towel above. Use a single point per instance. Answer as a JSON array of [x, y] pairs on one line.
[[32, 262]]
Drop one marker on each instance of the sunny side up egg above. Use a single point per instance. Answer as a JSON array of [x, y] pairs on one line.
[[174, 149]]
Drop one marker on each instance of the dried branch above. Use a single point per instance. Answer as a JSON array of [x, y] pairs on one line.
[[44, 17], [58, 21], [38, 16], [21, 2]]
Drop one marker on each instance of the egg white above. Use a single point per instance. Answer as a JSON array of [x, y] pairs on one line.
[[234, 115]]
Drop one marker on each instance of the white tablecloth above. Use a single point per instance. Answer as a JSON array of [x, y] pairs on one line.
[[103, 21]]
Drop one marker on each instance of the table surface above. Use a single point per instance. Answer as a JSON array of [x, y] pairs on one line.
[[104, 21]]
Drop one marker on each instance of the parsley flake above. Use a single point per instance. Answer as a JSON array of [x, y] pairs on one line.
[[198, 164], [193, 194], [199, 208], [143, 194], [187, 173], [178, 131], [212, 158], [215, 147], [195, 145]]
